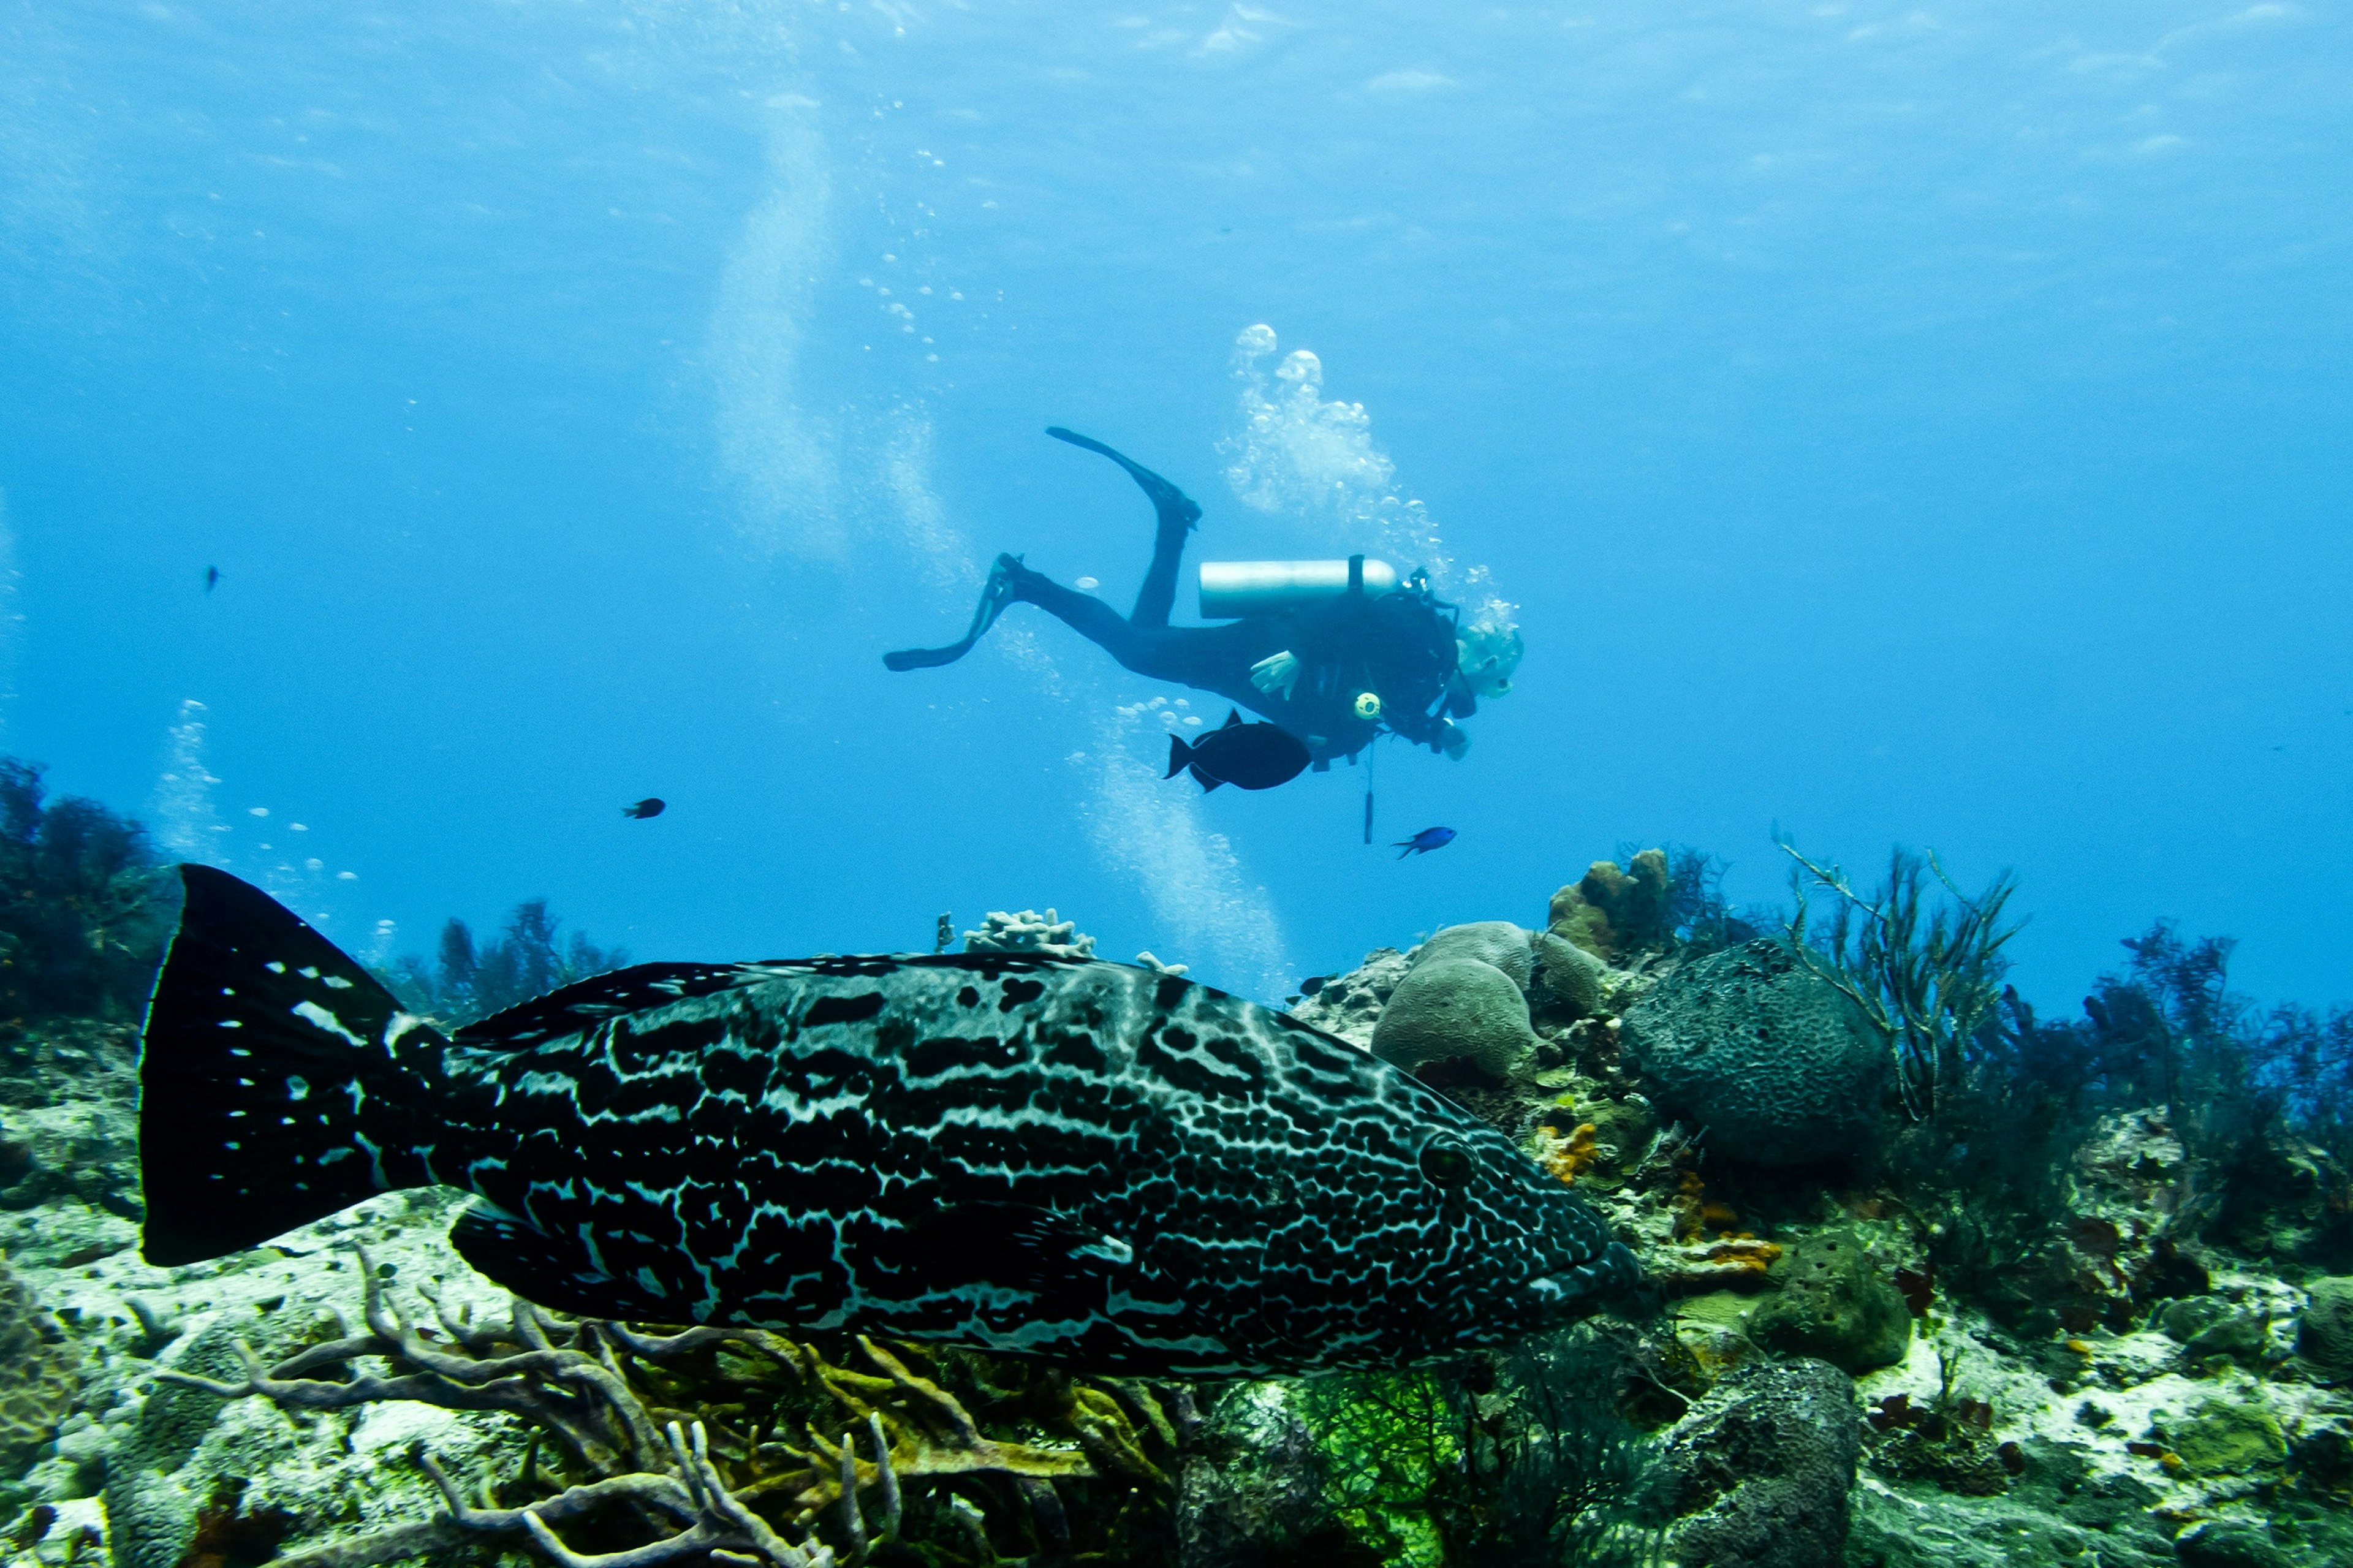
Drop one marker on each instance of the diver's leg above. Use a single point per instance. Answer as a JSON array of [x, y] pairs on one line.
[[1177, 514], [1206, 659], [995, 594], [1083, 613]]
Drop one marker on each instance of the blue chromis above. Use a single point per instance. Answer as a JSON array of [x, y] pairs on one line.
[[1081, 1161], [1423, 842]]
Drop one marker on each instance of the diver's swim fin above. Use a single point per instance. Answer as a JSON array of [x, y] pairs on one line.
[[927, 657], [995, 594], [1173, 504]]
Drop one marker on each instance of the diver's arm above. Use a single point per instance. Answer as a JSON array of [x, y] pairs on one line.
[[1436, 732], [1420, 728]]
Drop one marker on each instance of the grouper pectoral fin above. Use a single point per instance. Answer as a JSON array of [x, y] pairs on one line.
[[1070, 1266], [548, 1271]]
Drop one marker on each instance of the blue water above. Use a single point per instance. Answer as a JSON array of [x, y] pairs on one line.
[[1895, 424]]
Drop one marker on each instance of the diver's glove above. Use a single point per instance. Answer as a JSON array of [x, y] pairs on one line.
[[1454, 741], [1276, 672]]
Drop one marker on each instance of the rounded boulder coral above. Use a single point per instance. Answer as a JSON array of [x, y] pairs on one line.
[[1450, 1007], [1499, 943], [1772, 1060]]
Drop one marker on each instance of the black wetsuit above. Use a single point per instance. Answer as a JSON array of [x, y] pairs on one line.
[[1400, 645]]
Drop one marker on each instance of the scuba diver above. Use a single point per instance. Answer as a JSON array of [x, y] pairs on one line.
[[1333, 652]]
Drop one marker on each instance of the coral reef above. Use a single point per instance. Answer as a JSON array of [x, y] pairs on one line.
[[1948, 1442], [69, 1131], [1927, 985], [1028, 931], [1568, 1157], [1526, 1457], [1497, 944], [1772, 1060], [1252, 1486], [2091, 1279]]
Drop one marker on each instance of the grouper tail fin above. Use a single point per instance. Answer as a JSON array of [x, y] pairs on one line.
[[277, 1081]]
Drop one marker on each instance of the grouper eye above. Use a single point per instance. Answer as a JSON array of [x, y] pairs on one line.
[[1448, 1160]]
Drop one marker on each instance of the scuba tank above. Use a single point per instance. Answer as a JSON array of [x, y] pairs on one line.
[[1233, 589]]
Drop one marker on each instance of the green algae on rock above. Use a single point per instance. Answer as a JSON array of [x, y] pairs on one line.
[[2206, 1326], [1836, 1302], [2227, 1437]]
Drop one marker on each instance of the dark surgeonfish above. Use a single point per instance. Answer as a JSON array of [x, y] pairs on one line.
[[1423, 842], [1061, 1158], [652, 805], [1247, 756]]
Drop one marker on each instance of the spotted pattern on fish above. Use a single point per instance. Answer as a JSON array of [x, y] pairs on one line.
[[1061, 1158]]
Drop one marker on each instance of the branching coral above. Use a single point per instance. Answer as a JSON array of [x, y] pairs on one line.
[[687, 1435], [1929, 984], [1028, 931]]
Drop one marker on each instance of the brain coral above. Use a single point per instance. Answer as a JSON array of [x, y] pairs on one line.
[[1568, 979], [1771, 1059], [41, 1373], [1450, 1006], [1499, 943]]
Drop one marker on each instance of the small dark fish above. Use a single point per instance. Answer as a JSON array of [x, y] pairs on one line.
[[652, 805], [1247, 756], [212, 578], [1062, 1158], [1423, 842]]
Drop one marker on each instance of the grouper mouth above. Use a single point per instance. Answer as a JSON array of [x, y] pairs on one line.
[[1570, 1293]]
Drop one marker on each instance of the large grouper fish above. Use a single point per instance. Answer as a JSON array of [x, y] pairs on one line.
[[1067, 1159]]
